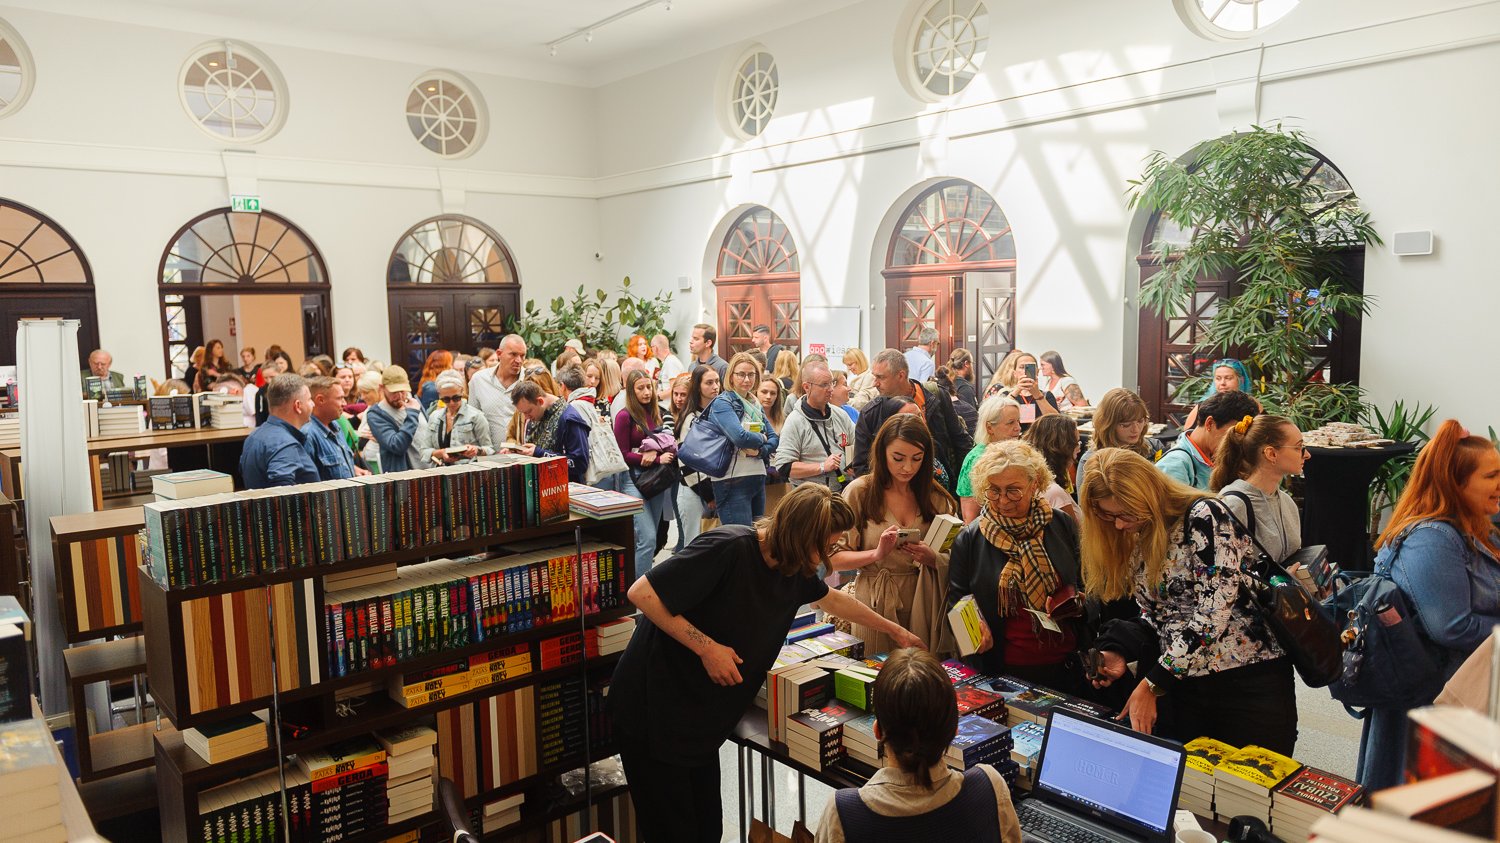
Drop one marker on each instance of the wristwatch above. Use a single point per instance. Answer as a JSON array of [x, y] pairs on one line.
[[1155, 689]]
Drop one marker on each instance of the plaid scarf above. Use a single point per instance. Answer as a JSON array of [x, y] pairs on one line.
[[1028, 578]]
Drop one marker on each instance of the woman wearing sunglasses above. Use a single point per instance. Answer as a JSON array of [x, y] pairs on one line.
[[456, 433], [1020, 556], [1182, 556]]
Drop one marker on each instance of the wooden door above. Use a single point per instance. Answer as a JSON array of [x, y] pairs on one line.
[[914, 302], [316, 333], [481, 317], [742, 306], [15, 306], [989, 319], [419, 323]]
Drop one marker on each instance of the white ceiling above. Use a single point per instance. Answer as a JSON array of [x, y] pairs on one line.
[[498, 36]]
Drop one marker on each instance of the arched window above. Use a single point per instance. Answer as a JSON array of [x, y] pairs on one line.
[[43, 274], [451, 283], [216, 276], [951, 266], [1166, 356], [759, 282]]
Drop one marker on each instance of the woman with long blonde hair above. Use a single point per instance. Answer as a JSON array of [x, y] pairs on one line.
[[741, 493], [1184, 559]]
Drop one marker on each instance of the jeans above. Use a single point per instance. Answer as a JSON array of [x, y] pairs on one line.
[[689, 516], [645, 522], [741, 500]]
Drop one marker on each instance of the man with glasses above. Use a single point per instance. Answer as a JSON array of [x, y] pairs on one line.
[[816, 437]]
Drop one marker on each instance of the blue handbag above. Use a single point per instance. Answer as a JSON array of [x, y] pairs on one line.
[[707, 449]]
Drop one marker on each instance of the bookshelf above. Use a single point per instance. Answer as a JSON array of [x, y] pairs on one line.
[[314, 701]]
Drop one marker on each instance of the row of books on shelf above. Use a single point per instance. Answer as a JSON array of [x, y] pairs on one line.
[[443, 604], [17, 682], [227, 536], [196, 410]]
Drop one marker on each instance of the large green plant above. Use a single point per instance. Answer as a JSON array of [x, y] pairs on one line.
[[589, 317], [1402, 424], [1260, 217]]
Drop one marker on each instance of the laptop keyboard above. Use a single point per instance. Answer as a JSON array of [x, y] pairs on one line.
[[1052, 828]]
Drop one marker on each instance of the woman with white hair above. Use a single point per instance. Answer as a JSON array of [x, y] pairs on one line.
[[456, 433], [999, 421]]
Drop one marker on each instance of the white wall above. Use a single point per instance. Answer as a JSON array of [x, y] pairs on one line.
[[642, 171]]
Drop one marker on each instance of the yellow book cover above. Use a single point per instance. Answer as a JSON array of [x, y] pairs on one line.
[[963, 619], [1259, 766], [1204, 754]]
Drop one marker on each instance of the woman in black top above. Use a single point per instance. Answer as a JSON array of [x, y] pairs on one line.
[[716, 615]]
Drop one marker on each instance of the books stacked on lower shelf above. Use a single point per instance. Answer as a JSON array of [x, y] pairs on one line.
[[30, 794], [815, 736], [410, 758], [1362, 825], [359, 578], [1311, 794], [561, 711], [601, 503], [980, 741], [348, 783], [1203, 755], [250, 809], [1244, 779], [229, 738], [614, 636], [1026, 750], [860, 742], [503, 812]]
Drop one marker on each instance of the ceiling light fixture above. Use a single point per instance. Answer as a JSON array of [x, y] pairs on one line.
[[587, 33]]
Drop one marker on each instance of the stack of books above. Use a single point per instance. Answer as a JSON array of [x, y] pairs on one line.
[[1026, 750], [792, 689], [250, 808], [224, 411], [229, 738], [980, 741], [503, 812], [30, 779], [561, 709], [860, 742], [16, 682], [1244, 780], [615, 635], [123, 420], [855, 685], [348, 787], [815, 736], [804, 631], [1028, 702], [981, 703], [410, 759], [832, 643], [360, 578], [571, 648], [1361, 825], [181, 485], [460, 675], [1203, 755], [10, 430], [1311, 794], [601, 503]]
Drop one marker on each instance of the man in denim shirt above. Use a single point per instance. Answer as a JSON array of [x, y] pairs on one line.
[[325, 443], [275, 453]]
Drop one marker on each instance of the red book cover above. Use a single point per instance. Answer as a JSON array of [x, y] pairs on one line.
[[368, 772], [552, 477], [986, 704], [1319, 789]]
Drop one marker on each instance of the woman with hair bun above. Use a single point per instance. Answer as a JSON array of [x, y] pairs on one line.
[[1254, 457], [915, 796], [1441, 549]]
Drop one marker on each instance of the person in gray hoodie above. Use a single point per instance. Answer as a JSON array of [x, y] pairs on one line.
[[1251, 463], [816, 436]]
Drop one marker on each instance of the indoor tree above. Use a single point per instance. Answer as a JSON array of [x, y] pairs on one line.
[[1264, 216], [587, 316]]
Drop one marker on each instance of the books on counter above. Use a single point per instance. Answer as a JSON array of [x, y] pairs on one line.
[[1245, 778], [965, 622], [855, 685], [601, 503], [1307, 796], [181, 485], [1361, 825], [1026, 701], [979, 741], [791, 689], [1203, 755], [980, 703], [1444, 739], [1026, 750], [815, 736], [227, 536], [229, 738], [30, 780], [860, 742], [1463, 800], [447, 603]]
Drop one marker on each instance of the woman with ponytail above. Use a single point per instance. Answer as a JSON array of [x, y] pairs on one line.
[[1255, 456], [1441, 549], [915, 796]]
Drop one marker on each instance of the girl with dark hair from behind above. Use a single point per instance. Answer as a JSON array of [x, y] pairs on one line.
[[1056, 439], [951, 381], [1442, 550], [915, 796], [1255, 456]]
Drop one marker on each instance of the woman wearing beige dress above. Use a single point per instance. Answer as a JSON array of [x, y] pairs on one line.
[[899, 577]]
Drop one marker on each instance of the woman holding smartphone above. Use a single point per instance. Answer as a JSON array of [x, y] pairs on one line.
[[1035, 402]]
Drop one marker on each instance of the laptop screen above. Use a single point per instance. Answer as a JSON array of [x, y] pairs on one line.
[[1111, 773]]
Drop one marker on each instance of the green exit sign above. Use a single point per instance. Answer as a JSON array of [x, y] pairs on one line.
[[245, 204]]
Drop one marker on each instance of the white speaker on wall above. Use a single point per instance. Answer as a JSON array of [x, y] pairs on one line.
[[684, 282], [1412, 243]]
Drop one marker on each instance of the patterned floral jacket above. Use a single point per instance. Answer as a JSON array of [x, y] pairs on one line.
[[1202, 614]]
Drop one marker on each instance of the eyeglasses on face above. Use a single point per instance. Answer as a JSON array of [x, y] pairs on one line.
[[744, 375], [1120, 519], [823, 385], [1011, 493]]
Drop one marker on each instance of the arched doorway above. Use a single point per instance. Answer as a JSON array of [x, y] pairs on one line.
[[248, 279], [43, 275], [951, 265], [452, 283], [1166, 356], [759, 282]]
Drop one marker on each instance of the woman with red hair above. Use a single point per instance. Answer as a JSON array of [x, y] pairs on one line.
[[1442, 550], [640, 348], [437, 363]]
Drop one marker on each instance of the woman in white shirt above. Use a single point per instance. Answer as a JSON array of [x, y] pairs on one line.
[[1056, 380]]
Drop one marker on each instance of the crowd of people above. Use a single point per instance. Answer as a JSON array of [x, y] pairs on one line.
[[1113, 565]]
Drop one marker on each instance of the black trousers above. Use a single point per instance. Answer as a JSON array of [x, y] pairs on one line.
[[1254, 704], [673, 803]]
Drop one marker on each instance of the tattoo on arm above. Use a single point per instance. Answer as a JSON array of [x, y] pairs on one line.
[[695, 636]]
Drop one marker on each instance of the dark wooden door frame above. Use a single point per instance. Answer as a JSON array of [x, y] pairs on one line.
[[454, 302], [70, 301], [762, 293], [200, 290], [957, 302]]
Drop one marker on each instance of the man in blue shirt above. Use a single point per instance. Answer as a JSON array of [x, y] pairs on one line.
[[919, 362], [276, 452], [325, 442]]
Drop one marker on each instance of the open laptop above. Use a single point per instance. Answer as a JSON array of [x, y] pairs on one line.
[[1099, 782]]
